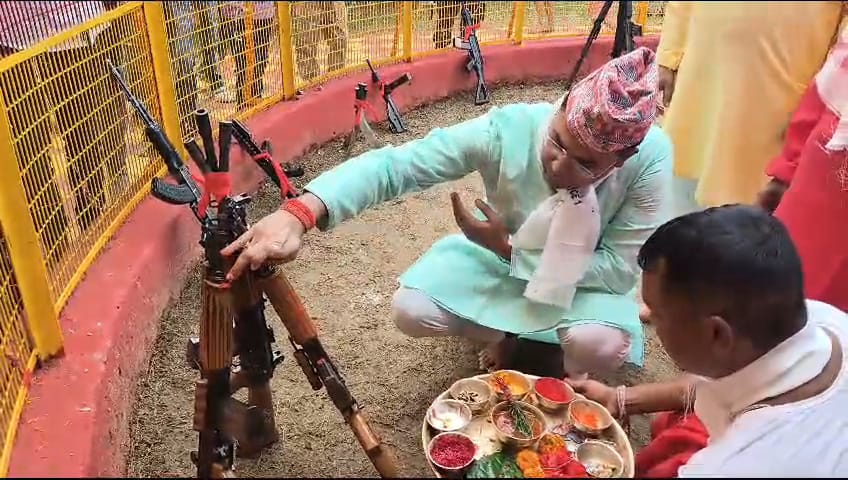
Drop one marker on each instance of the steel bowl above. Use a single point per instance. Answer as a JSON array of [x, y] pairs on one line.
[[592, 453], [515, 377], [549, 405], [448, 415], [512, 441], [582, 406], [474, 385], [452, 470]]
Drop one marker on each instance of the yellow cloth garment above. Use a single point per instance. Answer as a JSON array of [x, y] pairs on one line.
[[741, 70]]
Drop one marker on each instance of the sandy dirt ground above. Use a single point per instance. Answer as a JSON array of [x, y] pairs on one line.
[[346, 278]]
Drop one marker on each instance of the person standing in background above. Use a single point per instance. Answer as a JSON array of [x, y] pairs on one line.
[[731, 76], [313, 22], [808, 190], [70, 84], [233, 22], [180, 27], [545, 16], [211, 48], [446, 14]]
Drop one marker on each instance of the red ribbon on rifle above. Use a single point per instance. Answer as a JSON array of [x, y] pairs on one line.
[[286, 187], [215, 184], [362, 106], [469, 30]]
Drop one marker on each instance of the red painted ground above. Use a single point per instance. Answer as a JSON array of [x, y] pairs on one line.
[[75, 424]]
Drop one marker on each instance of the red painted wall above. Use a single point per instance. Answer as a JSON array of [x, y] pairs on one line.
[[76, 420]]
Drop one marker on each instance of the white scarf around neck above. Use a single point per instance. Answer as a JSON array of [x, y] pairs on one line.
[[796, 361], [566, 227]]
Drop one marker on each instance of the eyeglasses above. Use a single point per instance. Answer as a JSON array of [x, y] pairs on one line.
[[586, 171]]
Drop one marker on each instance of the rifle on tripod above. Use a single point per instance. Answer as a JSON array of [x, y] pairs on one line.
[[234, 349], [625, 30]]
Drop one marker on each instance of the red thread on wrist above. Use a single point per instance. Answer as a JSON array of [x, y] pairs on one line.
[[301, 212]]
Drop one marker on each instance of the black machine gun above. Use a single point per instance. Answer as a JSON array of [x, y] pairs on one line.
[[392, 113], [234, 348], [625, 30], [469, 42]]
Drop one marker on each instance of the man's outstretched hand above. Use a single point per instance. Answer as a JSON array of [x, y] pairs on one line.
[[492, 233], [597, 392], [275, 238]]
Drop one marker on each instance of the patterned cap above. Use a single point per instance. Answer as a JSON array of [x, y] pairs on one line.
[[613, 108]]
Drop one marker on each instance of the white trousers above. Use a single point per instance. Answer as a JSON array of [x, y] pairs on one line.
[[590, 348]]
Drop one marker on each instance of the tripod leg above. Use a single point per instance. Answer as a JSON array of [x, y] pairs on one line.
[[303, 333]]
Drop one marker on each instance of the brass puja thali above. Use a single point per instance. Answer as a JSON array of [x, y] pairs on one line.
[[510, 425]]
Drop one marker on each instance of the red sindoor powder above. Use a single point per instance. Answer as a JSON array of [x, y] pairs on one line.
[[552, 389], [452, 451]]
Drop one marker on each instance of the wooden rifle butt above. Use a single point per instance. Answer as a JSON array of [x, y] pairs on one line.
[[381, 457], [289, 307], [216, 328]]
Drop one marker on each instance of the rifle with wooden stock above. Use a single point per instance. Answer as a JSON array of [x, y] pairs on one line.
[[234, 348]]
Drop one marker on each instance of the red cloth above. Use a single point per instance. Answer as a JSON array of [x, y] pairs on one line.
[[216, 185], [674, 439], [815, 207]]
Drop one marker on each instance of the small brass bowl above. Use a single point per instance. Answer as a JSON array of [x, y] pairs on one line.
[[593, 453], [549, 405], [509, 440], [472, 385], [448, 415], [513, 379], [580, 407]]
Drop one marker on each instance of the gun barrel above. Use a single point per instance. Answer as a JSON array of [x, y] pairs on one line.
[[204, 129], [137, 104], [194, 152], [374, 76], [225, 139]]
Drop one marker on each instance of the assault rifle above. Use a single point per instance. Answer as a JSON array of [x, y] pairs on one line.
[[360, 120], [262, 157], [392, 113], [234, 350], [625, 30], [469, 43]]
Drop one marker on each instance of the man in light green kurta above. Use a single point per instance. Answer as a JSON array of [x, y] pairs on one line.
[[473, 284]]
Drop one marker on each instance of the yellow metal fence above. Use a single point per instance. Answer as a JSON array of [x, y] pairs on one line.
[[74, 161]]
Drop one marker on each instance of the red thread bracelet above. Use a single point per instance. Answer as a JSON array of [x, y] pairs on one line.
[[301, 212]]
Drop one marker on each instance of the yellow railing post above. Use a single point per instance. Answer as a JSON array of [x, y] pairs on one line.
[[520, 9], [284, 21], [24, 249], [154, 16], [250, 55], [407, 31], [642, 14]]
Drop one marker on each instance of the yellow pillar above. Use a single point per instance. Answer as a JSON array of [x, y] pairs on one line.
[[250, 54], [520, 10], [642, 14], [154, 16], [24, 249], [407, 31], [284, 21]]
